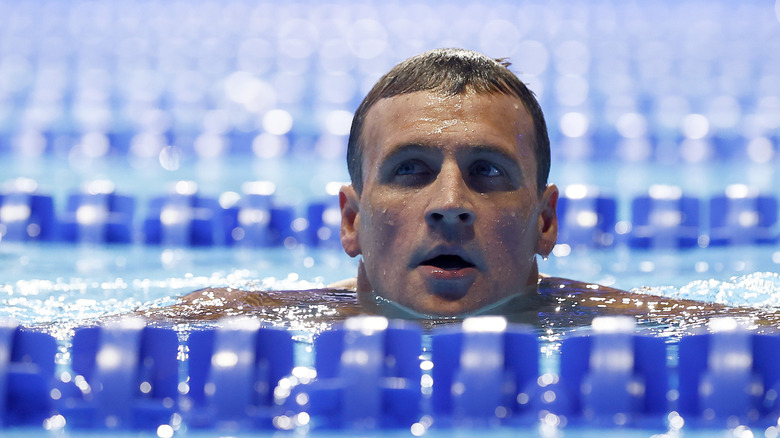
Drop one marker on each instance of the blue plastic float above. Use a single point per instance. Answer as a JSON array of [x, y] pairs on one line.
[[372, 373], [124, 376], [233, 371]]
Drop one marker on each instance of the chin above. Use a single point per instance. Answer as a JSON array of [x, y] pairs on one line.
[[439, 306]]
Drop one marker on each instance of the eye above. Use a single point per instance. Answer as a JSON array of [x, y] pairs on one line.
[[410, 168], [485, 177], [410, 173], [483, 168]]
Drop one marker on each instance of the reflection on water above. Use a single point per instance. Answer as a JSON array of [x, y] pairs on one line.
[[59, 288], [61, 305]]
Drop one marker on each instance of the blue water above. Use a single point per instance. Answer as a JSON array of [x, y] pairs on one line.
[[61, 286], [88, 282], [136, 275], [635, 94]]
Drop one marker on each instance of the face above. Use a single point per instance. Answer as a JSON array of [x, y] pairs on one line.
[[450, 218]]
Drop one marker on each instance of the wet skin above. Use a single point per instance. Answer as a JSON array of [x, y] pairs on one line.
[[449, 222], [560, 305], [450, 218]]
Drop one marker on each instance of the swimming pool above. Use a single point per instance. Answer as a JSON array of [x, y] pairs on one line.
[[148, 274], [62, 286], [680, 94]]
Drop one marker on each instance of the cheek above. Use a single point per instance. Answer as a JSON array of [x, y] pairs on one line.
[[512, 252], [384, 242], [382, 225], [515, 227]]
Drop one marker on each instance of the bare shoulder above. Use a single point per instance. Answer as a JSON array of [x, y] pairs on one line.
[[231, 297], [346, 284], [228, 297], [215, 303], [558, 285], [572, 294]]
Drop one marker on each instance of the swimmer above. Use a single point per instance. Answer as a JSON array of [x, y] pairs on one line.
[[448, 208]]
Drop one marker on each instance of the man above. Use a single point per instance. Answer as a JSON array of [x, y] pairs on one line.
[[448, 208], [449, 203]]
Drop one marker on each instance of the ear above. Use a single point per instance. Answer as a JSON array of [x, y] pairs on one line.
[[548, 221], [350, 220]]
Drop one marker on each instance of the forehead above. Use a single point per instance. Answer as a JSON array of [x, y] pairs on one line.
[[433, 118]]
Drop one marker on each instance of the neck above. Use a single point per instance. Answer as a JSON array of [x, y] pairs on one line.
[[363, 285], [527, 298]]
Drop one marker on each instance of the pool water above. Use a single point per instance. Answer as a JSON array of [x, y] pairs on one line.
[[60, 286], [65, 284], [78, 282], [680, 93]]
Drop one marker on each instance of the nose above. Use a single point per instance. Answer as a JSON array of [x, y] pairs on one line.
[[450, 204], [450, 217]]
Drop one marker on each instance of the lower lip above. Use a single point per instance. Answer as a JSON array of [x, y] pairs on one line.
[[450, 284], [448, 274]]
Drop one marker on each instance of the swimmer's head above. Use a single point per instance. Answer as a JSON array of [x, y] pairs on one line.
[[449, 204], [451, 72]]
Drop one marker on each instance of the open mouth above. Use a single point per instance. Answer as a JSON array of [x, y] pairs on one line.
[[448, 262]]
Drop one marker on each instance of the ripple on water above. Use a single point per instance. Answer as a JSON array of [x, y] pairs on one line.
[[69, 302], [759, 289], [61, 305]]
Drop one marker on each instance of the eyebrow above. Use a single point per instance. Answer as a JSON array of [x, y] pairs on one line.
[[409, 148], [492, 150], [487, 151], [478, 149]]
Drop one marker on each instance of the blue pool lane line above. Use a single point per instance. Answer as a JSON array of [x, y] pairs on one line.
[[664, 217], [489, 367], [624, 381], [233, 372], [371, 373], [368, 376], [731, 373], [26, 375], [182, 218], [124, 376]]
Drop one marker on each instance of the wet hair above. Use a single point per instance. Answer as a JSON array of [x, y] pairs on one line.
[[453, 72]]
